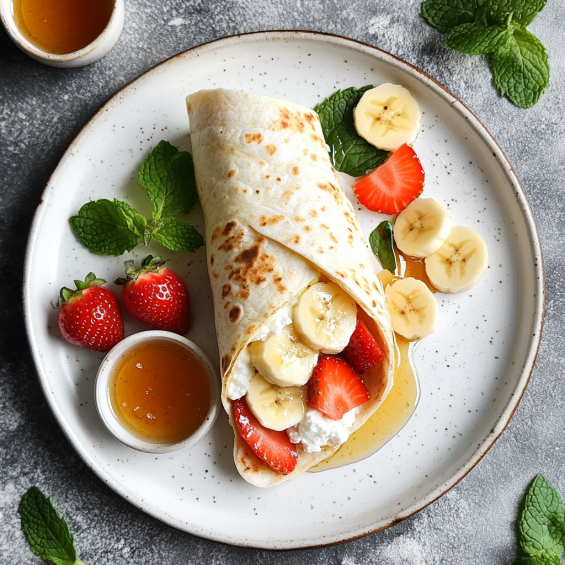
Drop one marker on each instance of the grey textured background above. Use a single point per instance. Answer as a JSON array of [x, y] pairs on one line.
[[42, 109]]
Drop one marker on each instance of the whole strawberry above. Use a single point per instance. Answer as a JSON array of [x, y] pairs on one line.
[[156, 296], [90, 316]]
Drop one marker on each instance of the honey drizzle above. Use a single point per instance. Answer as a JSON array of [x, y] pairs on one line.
[[391, 416], [400, 404]]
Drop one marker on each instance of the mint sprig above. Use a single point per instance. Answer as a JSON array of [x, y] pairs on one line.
[[349, 152], [47, 533], [111, 227], [497, 28], [381, 244], [541, 525]]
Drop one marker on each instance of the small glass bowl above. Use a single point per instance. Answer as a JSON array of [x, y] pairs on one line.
[[104, 401]]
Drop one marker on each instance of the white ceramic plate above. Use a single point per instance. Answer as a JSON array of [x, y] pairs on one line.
[[473, 370]]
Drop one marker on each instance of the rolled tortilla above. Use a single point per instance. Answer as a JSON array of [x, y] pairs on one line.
[[276, 220]]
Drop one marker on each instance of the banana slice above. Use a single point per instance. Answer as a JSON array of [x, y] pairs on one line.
[[325, 317], [412, 308], [387, 116], [422, 227], [459, 263], [276, 408], [283, 359]]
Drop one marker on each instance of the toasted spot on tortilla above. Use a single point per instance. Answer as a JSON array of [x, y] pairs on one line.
[[307, 228], [235, 313], [313, 213], [215, 275], [271, 149], [299, 219], [244, 191], [295, 239], [325, 226], [313, 156], [310, 118], [265, 221], [227, 305], [321, 249], [232, 242], [231, 173], [375, 286], [278, 282], [361, 265], [286, 140], [254, 138], [305, 151], [295, 170], [226, 360], [244, 293], [211, 259], [323, 208], [216, 233], [256, 192], [226, 290], [374, 304], [341, 275], [267, 176], [262, 163]]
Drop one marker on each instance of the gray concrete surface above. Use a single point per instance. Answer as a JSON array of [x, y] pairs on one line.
[[41, 110]]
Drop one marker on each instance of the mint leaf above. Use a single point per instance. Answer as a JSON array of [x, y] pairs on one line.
[[178, 236], [168, 176], [520, 68], [445, 15], [519, 11], [349, 152], [541, 525], [47, 533], [476, 39], [108, 227], [381, 244], [538, 560]]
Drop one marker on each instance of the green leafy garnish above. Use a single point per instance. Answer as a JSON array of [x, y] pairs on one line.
[[178, 236], [541, 525], [381, 244], [349, 152], [47, 533], [520, 69], [519, 62], [111, 227], [168, 176], [108, 227]]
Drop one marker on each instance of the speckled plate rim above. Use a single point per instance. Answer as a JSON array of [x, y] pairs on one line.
[[532, 234]]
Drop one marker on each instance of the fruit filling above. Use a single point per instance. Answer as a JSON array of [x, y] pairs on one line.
[[291, 380]]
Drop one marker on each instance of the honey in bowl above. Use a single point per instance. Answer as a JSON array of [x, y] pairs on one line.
[[60, 27], [160, 391]]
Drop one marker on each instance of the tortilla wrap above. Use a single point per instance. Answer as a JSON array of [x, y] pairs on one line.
[[276, 219]]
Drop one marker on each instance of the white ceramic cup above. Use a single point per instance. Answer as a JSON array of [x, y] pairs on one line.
[[104, 402], [92, 52]]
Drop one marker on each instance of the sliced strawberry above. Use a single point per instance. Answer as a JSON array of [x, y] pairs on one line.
[[274, 448], [363, 351], [392, 186], [335, 388]]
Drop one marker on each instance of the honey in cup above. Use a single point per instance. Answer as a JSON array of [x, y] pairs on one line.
[[160, 391], [61, 27]]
